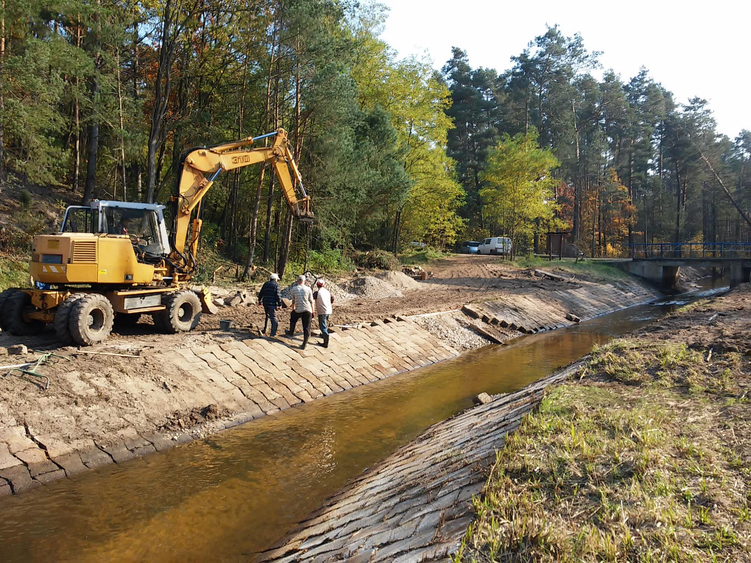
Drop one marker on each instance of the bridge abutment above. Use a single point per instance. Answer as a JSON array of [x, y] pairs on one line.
[[665, 277], [739, 273]]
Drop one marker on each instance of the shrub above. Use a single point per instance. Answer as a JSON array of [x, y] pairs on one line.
[[376, 259]]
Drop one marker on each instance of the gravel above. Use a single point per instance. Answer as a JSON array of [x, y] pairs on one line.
[[452, 329]]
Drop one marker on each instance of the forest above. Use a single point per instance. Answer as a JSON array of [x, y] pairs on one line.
[[100, 97]]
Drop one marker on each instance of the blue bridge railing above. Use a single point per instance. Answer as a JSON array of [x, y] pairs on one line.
[[688, 250]]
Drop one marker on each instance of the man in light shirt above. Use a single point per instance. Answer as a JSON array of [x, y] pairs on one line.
[[324, 301], [302, 308]]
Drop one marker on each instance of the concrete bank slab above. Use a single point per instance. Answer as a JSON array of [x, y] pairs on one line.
[[110, 409], [416, 504]]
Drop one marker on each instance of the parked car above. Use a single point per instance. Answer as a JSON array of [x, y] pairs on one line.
[[416, 244], [495, 245], [469, 247]]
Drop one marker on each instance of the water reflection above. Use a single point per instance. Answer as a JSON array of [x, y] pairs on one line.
[[233, 494]]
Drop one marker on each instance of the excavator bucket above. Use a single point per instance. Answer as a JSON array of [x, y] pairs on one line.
[[207, 306], [306, 217]]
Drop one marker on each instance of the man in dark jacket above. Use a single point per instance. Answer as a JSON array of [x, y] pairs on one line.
[[270, 298]]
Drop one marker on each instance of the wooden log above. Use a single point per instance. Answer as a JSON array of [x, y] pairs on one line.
[[552, 276], [485, 333], [472, 311]]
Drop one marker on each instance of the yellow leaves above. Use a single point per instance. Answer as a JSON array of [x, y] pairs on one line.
[[518, 184]]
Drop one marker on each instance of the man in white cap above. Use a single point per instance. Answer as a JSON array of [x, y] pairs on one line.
[[302, 308], [324, 301], [271, 298]]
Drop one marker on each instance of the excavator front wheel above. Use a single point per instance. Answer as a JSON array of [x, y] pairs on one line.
[[183, 311], [62, 318], [91, 319], [16, 309], [3, 300]]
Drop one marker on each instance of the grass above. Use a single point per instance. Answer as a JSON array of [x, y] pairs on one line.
[[14, 272], [643, 460], [595, 271], [414, 257]]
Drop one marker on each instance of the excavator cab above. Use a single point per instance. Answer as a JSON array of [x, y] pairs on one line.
[[143, 223]]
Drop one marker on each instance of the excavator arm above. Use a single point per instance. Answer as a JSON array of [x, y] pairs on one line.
[[200, 167]]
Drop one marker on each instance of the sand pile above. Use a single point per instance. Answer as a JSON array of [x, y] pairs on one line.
[[399, 280], [339, 293], [369, 287]]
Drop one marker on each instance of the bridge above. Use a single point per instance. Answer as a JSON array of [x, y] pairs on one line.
[[661, 262]]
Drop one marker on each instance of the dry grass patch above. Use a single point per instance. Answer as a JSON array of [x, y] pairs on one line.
[[646, 459]]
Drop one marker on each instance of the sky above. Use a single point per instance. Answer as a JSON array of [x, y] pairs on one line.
[[691, 48]]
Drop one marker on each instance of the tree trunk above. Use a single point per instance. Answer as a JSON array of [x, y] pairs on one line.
[[2, 95], [286, 240], [162, 89], [253, 230], [89, 189], [122, 124], [269, 212]]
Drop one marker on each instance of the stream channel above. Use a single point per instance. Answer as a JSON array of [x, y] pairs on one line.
[[231, 495]]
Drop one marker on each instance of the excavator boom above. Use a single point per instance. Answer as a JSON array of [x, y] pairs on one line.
[[200, 167]]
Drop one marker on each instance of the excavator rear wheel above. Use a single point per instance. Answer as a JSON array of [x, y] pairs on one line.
[[16, 310], [183, 311], [3, 300], [62, 318], [91, 319]]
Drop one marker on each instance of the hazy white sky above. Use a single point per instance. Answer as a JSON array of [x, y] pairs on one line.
[[692, 48]]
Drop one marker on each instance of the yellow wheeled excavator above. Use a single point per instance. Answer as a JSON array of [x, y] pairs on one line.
[[114, 260]]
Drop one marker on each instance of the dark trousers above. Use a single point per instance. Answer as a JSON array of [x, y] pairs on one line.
[[305, 318], [271, 315]]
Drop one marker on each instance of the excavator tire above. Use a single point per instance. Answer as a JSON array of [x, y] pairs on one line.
[[15, 311], [91, 319], [62, 318], [183, 311], [3, 300], [160, 321]]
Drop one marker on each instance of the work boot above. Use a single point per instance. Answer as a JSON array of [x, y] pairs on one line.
[[304, 343], [325, 341]]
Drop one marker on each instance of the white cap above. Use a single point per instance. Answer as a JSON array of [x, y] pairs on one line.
[[301, 278], [274, 277]]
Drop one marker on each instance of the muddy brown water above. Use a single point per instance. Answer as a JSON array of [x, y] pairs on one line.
[[229, 496]]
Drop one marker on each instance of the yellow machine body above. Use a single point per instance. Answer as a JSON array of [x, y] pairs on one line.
[[85, 258]]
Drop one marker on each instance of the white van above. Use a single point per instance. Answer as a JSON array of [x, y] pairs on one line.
[[495, 245]]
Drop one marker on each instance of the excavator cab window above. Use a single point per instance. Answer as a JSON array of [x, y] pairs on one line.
[[78, 220]]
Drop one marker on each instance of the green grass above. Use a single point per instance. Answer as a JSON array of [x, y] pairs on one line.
[[595, 271], [414, 257], [14, 272], [634, 463]]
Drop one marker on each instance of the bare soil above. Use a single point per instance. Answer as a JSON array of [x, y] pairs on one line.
[[456, 281]]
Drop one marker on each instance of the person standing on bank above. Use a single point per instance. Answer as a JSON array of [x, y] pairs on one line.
[[302, 308], [324, 301], [271, 298]]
